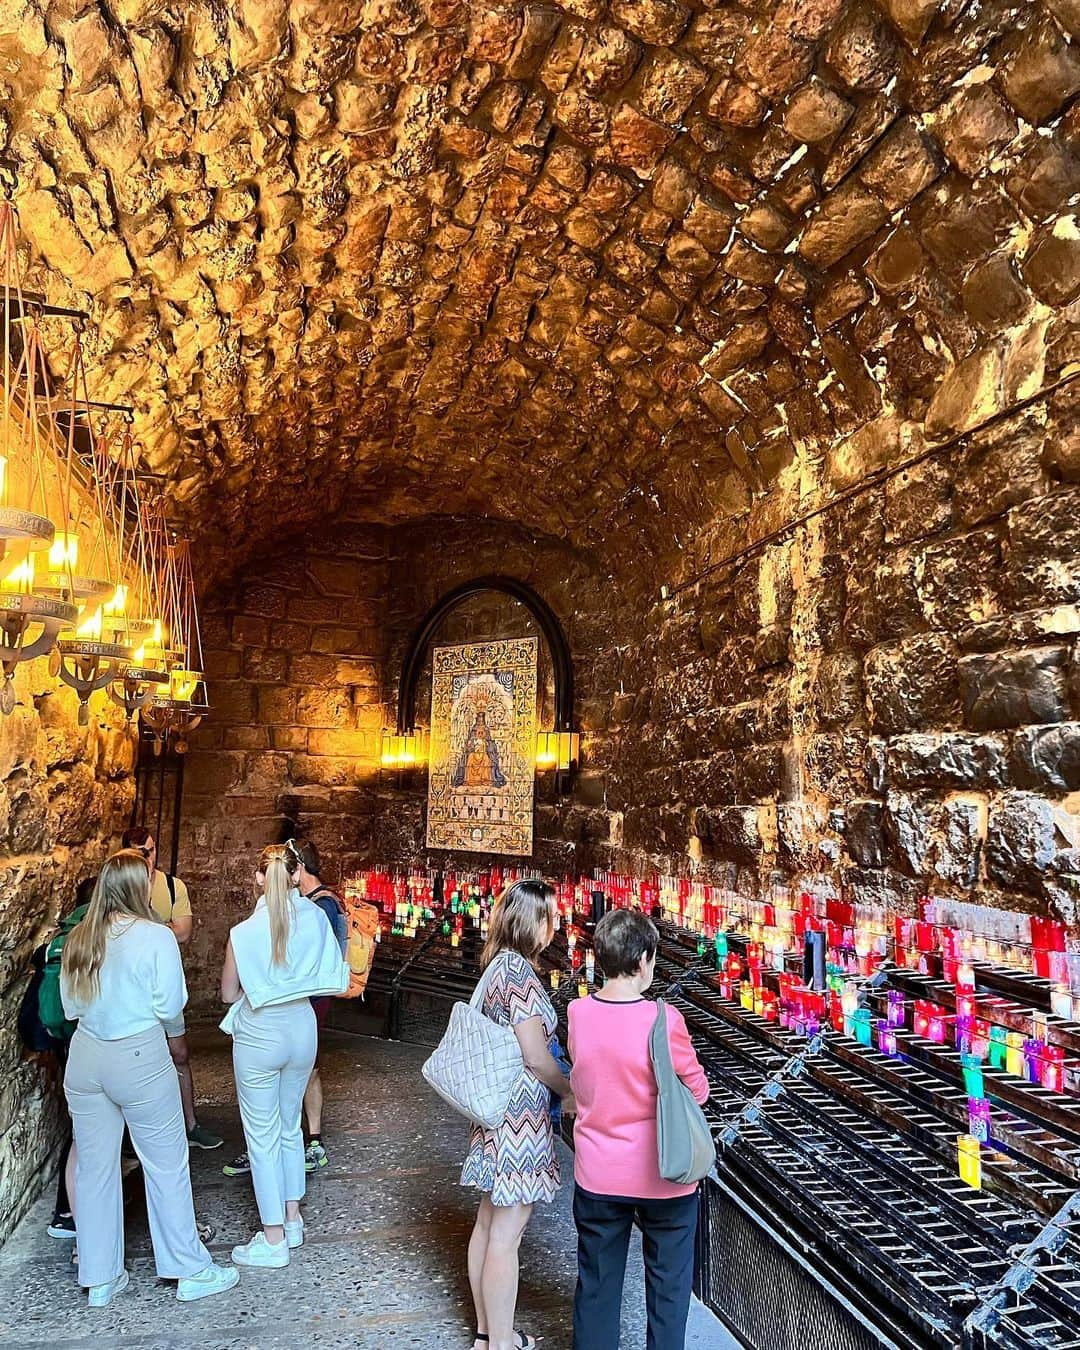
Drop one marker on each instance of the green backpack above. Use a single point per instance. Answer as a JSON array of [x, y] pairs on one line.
[[50, 1004]]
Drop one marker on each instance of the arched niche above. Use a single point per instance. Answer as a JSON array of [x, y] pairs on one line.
[[412, 665]]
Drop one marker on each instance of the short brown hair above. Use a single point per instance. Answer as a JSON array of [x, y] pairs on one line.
[[308, 854], [622, 938], [519, 921], [137, 836]]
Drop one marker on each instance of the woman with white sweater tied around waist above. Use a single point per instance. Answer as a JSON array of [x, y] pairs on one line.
[[276, 961], [123, 982]]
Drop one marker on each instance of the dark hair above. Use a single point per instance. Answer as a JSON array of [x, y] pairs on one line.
[[519, 921], [138, 836], [308, 854], [84, 891], [622, 938]]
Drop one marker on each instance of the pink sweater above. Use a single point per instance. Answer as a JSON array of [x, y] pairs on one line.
[[612, 1079]]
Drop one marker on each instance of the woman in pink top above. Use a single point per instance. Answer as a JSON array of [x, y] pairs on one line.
[[616, 1173]]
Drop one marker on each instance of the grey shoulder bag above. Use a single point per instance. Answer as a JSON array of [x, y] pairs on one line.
[[684, 1142]]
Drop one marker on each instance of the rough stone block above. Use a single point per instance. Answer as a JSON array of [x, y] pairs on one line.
[[847, 217], [945, 760], [838, 691], [1047, 758], [912, 684], [730, 833], [1012, 689], [976, 125], [864, 832], [1043, 548], [1020, 842]]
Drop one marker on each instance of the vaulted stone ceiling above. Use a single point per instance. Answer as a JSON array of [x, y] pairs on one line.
[[589, 265]]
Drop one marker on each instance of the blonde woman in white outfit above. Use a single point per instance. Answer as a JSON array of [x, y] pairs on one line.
[[274, 963], [122, 980]]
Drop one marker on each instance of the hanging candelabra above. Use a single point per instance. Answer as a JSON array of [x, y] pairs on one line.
[[31, 615], [174, 714], [149, 668], [97, 651]]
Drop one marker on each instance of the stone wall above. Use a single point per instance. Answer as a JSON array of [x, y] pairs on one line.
[[889, 695], [65, 795], [294, 660]]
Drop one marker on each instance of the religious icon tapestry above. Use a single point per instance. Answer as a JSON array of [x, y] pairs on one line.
[[483, 747]]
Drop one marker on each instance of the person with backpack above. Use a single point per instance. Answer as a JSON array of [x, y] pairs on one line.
[[121, 979], [169, 900], [44, 1027], [276, 961]]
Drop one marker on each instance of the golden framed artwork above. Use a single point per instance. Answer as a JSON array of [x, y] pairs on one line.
[[483, 743]]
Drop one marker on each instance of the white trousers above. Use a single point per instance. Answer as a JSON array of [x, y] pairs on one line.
[[273, 1055], [133, 1080]]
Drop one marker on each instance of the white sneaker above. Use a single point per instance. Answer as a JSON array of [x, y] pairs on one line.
[[259, 1252], [214, 1279], [294, 1232], [101, 1295]]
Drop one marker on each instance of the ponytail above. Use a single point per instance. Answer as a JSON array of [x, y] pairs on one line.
[[280, 868]]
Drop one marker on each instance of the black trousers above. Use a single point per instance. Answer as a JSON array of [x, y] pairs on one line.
[[667, 1239]]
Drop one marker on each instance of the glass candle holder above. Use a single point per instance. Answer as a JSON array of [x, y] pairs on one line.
[[1053, 1068], [894, 1008], [973, 1076], [979, 1119], [998, 1047], [1014, 1053], [1033, 1058], [862, 1025], [969, 1161], [886, 1037]]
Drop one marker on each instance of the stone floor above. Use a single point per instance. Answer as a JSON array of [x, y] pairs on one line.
[[384, 1261]]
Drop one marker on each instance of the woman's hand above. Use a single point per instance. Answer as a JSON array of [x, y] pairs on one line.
[[569, 1105]]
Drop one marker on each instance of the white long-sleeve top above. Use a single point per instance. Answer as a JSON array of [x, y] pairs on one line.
[[141, 982], [313, 962]]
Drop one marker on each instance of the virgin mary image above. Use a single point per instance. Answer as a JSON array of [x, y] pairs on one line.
[[478, 763]]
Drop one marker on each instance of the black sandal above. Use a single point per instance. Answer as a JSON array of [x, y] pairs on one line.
[[527, 1342]]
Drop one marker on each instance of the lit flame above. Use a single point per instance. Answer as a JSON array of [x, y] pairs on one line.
[[64, 553], [117, 603], [21, 577], [91, 627]]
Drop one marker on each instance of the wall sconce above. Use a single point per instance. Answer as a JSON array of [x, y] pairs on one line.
[[557, 750], [402, 749]]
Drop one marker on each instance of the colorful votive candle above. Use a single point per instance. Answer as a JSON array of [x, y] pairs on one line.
[[973, 1075], [979, 1119], [1014, 1053], [894, 1008], [968, 1160], [886, 1037], [998, 1047], [1053, 1068], [1033, 1059]]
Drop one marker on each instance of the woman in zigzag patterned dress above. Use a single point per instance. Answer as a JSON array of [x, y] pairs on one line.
[[514, 1165]]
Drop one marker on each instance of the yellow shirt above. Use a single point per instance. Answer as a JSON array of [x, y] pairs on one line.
[[161, 902]]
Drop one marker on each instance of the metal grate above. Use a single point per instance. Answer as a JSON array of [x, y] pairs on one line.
[[771, 1298]]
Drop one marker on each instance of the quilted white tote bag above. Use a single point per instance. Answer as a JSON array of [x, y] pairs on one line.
[[477, 1063]]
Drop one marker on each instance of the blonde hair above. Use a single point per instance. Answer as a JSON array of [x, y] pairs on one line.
[[520, 921], [123, 889], [280, 867]]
